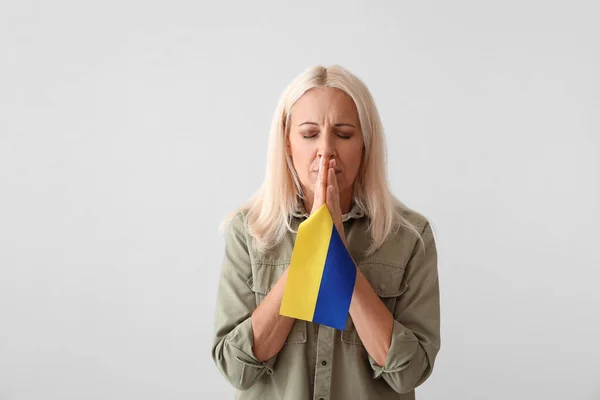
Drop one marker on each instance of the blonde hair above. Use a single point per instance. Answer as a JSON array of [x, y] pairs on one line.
[[270, 209]]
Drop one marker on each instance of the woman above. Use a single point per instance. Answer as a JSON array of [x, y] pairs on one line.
[[326, 146]]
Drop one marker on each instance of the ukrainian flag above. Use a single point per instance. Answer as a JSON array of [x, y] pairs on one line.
[[321, 274]]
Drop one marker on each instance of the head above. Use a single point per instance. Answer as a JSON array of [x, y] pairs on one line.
[[327, 112], [324, 123]]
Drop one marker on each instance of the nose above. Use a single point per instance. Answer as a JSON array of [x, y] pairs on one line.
[[327, 147]]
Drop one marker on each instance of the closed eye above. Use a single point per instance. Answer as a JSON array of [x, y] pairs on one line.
[[341, 136]]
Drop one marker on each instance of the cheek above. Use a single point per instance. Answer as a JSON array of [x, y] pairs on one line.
[[302, 165], [351, 169], [300, 161], [353, 159], [302, 156]]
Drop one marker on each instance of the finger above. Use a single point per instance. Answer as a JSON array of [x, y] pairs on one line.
[[324, 165], [323, 182], [333, 181], [333, 204], [331, 178], [333, 195], [320, 194]]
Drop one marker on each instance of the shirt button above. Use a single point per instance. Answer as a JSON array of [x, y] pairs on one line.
[[323, 362]]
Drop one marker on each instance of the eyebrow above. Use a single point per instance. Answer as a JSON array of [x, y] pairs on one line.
[[336, 125]]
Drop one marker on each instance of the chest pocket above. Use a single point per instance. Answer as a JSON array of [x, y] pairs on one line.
[[388, 281], [264, 277]]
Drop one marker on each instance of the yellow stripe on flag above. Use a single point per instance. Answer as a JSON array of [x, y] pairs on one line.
[[306, 265]]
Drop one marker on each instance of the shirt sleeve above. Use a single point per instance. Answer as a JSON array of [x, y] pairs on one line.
[[416, 331], [233, 337]]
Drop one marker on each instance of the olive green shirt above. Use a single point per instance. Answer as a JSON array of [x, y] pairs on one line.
[[320, 362]]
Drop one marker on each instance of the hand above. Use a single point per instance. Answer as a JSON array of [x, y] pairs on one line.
[[327, 192], [333, 201], [320, 196]]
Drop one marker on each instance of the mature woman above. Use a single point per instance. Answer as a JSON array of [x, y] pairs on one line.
[[326, 146]]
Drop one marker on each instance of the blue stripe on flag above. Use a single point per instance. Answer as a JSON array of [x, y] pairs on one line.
[[337, 285]]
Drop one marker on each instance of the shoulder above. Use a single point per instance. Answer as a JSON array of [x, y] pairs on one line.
[[424, 242], [419, 221], [237, 221], [414, 230], [235, 227]]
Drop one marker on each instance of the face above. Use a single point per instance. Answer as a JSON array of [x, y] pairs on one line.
[[324, 123]]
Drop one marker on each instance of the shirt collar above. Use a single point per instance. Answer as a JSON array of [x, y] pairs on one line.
[[355, 212]]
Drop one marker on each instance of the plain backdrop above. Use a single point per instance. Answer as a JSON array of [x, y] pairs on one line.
[[128, 129]]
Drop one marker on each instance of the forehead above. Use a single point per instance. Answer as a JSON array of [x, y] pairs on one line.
[[324, 104]]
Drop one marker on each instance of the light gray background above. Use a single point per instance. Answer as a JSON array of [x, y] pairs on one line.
[[129, 128]]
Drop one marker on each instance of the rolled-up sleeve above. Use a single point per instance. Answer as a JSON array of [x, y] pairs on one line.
[[233, 336], [416, 331]]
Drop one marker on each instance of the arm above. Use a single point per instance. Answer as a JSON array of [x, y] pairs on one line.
[[271, 329], [373, 321], [402, 347], [246, 338]]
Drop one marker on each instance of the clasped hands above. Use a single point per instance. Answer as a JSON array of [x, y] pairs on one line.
[[327, 192]]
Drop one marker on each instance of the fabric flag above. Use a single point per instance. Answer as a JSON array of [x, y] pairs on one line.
[[321, 274]]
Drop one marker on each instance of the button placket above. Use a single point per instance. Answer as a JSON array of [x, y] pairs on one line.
[[322, 387]]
